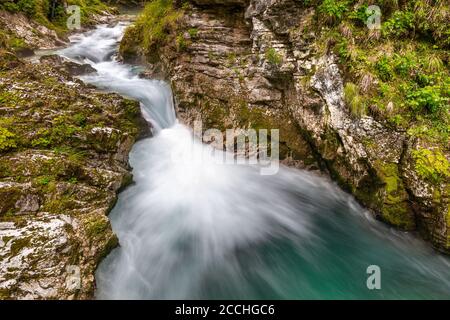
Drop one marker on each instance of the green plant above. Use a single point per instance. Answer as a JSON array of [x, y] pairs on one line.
[[154, 23], [384, 68], [273, 57], [28, 7], [353, 99], [404, 64], [332, 11], [433, 99], [433, 63], [44, 181], [7, 139], [360, 14], [401, 24], [181, 43], [73, 180], [193, 32], [431, 165], [80, 119], [10, 6]]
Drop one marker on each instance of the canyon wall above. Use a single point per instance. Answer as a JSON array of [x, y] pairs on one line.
[[270, 64]]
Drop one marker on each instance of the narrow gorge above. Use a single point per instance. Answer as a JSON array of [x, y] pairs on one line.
[[360, 141]]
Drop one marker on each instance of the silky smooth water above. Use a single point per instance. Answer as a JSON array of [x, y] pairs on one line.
[[194, 229]]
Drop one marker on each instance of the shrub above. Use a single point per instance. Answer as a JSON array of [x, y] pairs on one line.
[[384, 68], [273, 57], [404, 64], [433, 99], [360, 14], [332, 11], [401, 23], [28, 7]]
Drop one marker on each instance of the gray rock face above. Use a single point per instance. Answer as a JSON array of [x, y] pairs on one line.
[[260, 66]]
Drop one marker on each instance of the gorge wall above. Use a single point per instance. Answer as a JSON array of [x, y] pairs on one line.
[[63, 157], [279, 64]]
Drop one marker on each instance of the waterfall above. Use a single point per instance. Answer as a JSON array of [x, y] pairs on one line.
[[193, 228]]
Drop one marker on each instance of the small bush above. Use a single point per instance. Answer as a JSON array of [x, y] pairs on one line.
[[273, 57], [384, 68], [432, 99], [401, 23], [332, 11]]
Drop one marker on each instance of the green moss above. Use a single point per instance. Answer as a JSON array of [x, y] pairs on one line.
[[394, 205], [7, 140], [19, 244], [431, 165], [96, 226]]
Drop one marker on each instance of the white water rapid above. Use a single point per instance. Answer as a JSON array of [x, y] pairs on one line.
[[198, 229]]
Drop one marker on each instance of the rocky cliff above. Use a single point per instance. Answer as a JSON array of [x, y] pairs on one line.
[[319, 77], [63, 157]]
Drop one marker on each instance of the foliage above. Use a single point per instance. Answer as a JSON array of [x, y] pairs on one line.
[[432, 99], [401, 24], [332, 11], [273, 57], [7, 139], [354, 100], [431, 165], [384, 68], [155, 22], [193, 32]]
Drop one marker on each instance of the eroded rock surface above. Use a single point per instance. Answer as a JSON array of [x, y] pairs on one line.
[[64, 156], [257, 64]]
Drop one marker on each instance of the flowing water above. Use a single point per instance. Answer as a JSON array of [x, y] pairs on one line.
[[193, 229]]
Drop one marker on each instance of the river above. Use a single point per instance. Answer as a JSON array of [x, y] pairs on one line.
[[192, 229]]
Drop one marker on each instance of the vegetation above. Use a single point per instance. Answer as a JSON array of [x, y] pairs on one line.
[[431, 165], [400, 72], [7, 140], [153, 27], [51, 13], [273, 57], [353, 99]]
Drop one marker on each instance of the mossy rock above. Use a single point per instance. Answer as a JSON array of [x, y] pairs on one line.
[[394, 208]]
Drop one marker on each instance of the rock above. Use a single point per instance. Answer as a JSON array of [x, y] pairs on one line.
[[33, 34], [72, 68], [28, 203], [252, 64], [60, 178]]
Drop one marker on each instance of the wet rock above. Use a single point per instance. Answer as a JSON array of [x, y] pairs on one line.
[[252, 64], [59, 179], [72, 68]]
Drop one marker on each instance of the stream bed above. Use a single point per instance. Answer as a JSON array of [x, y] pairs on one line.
[[192, 229]]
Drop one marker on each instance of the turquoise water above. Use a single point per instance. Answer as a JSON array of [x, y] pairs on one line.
[[193, 229]]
